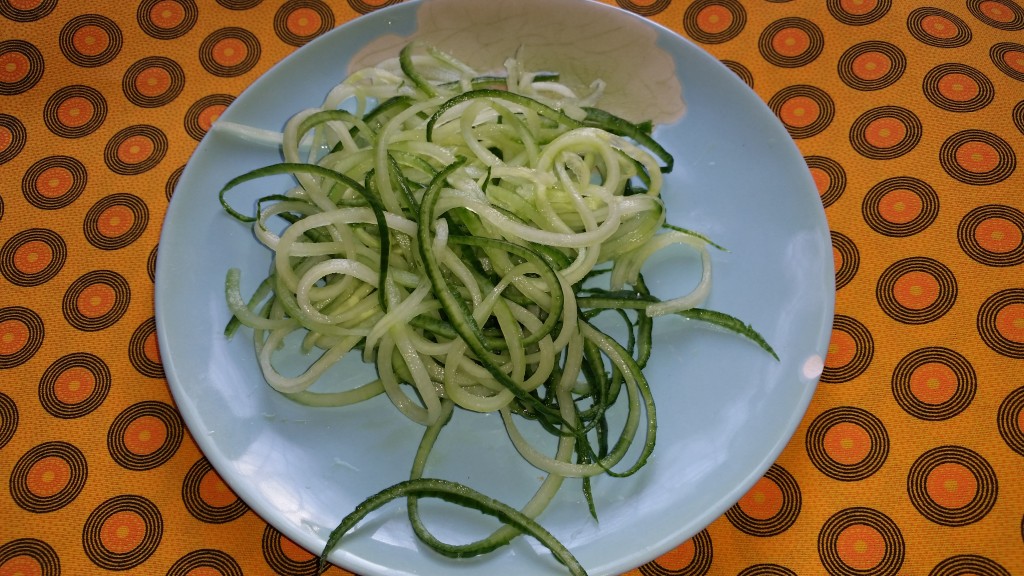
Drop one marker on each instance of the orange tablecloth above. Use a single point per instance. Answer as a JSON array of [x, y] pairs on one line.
[[910, 115]]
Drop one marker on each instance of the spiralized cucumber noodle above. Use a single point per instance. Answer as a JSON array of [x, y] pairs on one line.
[[460, 231]]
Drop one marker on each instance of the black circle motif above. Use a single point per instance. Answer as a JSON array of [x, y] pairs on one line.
[[860, 126], [36, 332], [51, 401], [43, 554], [967, 235], [115, 40], [1015, 23], [826, 109], [1009, 418], [988, 327], [172, 182], [932, 90], [872, 462], [189, 17], [944, 300], [8, 420], [892, 537], [140, 219], [126, 168], [998, 54], [836, 178], [18, 277], [217, 560], [275, 556], [85, 323], [129, 83], [766, 569], [30, 182], [740, 70], [323, 12], [22, 493], [881, 8], [208, 47], [897, 65], [201, 509], [92, 538], [700, 565], [872, 213], [1006, 161], [783, 519], [863, 354], [984, 498], [118, 448], [137, 350], [34, 73], [815, 43], [655, 7], [1018, 120], [365, 7], [692, 27], [915, 24], [15, 14], [18, 136], [850, 257], [151, 264], [51, 112], [966, 383], [193, 124]]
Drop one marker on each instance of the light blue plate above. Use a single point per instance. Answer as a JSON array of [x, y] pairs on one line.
[[726, 409]]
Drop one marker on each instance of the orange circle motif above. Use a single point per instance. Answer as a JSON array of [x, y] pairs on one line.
[[847, 443], [14, 334], [799, 111], [304, 22], [998, 235], [871, 65], [933, 383], [74, 385], [958, 87], [14, 66], [6, 138], [210, 114], [229, 52], [885, 132], [48, 476], [24, 5], [714, 19], [841, 349], [145, 435], [916, 290], [1010, 322], [1014, 59], [167, 14], [976, 156], [858, 7], [123, 532], [763, 500], [115, 221], [939, 27], [151, 348], [822, 180], [33, 257], [54, 182], [860, 547], [951, 485], [791, 42], [96, 300], [900, 206], [75, 112], [153, 81], [997, 11], [90, 40], [214, 491], [294, 551], [22, 565], [135, 149]]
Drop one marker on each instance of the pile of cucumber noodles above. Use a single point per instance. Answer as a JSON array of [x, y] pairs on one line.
[[461, 231]]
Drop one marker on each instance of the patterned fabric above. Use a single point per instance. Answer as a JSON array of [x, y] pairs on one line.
[[910, 115]]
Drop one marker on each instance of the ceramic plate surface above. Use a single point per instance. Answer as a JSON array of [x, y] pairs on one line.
[[725, 408]]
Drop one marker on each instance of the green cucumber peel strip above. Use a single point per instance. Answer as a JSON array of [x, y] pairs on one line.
[[315, 170], [462, 495], [639, 133], [525, 101]]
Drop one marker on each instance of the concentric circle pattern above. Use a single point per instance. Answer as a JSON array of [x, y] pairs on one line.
[[934, 383], [917, 290], [952, 486], [908, 115]]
